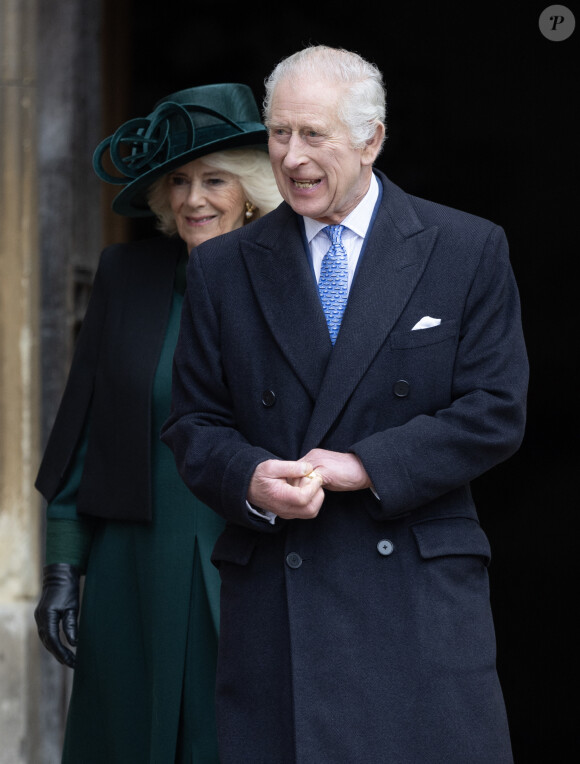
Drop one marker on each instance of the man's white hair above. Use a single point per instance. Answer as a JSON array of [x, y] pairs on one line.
[[363, 105]]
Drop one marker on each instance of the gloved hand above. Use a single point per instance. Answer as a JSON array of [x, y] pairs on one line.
[[59, 603]]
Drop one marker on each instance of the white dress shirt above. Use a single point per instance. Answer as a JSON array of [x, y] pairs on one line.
[[356, 225]]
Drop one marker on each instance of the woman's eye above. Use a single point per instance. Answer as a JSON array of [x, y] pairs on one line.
[[215, 181], [178, 180]]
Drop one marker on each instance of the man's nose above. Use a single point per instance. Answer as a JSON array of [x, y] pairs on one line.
[[295, 154]]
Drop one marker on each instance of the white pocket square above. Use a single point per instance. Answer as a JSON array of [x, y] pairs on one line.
[[426, 323]]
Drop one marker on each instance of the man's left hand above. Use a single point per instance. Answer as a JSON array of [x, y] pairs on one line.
[[339, 472]]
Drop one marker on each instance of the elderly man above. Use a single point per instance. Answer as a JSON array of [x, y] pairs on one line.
[[346, 366]]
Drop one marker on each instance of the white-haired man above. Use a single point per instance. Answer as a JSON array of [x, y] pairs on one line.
[[347, 365]]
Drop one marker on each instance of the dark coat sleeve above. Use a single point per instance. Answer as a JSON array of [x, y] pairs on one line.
[[75, 403], [217, 467], [110, 380], [481, 415]]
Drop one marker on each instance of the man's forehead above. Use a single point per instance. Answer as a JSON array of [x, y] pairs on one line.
[[304, 104]]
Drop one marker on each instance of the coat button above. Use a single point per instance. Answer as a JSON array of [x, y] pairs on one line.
[[385, 547], [293, 560], [268, 398], [401, 388]]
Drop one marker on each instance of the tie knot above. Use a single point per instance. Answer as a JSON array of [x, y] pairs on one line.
[[334, 233]]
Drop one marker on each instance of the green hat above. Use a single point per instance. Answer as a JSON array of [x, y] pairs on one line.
[[182, 127]]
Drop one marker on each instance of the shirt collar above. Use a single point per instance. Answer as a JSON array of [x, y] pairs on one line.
[[357, 221]]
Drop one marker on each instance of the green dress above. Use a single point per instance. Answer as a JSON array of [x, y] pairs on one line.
[[143, 689]]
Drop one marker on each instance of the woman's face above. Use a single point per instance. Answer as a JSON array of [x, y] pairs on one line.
[[205, 202]]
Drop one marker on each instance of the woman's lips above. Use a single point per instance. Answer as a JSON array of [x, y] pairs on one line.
[[200, 221]]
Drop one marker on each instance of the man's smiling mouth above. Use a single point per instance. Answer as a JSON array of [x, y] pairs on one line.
[[305, 183]]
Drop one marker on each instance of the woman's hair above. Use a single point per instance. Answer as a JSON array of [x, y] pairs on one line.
[[363, 105], [251, 167]]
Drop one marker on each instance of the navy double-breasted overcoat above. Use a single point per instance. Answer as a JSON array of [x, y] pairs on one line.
[[364, 635]]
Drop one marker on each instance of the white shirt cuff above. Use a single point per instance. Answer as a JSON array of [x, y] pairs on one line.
[[264, 514]]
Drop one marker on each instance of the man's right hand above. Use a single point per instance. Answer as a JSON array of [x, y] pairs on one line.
[[59, 603], [287, 489]]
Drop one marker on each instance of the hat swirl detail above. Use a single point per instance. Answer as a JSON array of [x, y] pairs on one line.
[[151, 141]]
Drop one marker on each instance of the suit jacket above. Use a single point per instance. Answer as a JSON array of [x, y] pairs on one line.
[[112, 374], [365, 634]]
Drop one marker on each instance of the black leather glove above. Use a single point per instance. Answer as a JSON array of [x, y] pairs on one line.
[[59, 603]]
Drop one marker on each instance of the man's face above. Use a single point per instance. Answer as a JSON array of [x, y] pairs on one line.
[[317, 171]]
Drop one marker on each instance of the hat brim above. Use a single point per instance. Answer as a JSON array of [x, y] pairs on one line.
[[132, 200]]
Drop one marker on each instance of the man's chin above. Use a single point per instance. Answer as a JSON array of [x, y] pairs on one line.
[[310, 208]]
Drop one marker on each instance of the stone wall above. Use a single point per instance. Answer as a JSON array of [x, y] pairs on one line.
[[19, 376], [50, 222]]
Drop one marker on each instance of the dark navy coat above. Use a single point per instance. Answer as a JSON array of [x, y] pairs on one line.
[[364, 635]]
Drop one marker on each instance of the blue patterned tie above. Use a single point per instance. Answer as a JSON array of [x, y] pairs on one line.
[[333, 282]]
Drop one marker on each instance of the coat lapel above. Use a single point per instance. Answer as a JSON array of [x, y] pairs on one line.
[[285, 289]]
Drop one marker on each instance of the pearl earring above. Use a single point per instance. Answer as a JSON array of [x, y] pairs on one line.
[[249, 210]]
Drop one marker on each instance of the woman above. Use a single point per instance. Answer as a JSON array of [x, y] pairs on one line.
[[117, 510]]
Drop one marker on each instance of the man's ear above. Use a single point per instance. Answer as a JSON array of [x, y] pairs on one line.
[[372, 147]]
